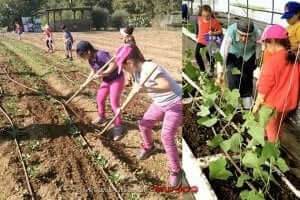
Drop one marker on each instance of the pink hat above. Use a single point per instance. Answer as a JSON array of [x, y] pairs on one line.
[[274, 32], [121, 54]]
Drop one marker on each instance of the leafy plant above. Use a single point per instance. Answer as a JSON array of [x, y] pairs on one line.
[[32, 144], [116, 177], [135, 196], [74, 130], [33, 171], [245, 138], [119, 19], [99, 160]]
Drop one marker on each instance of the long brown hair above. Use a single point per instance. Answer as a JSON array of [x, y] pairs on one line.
[[291, 55], [208, 9], [136, 54]]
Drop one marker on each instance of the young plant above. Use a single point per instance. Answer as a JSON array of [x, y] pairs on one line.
[[258, 158]]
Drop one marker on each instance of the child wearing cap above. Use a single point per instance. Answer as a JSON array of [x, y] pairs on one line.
[[292, 15], [238, 50], [167, 107], [279, 82], [68, 38], [112, 84], [49, 38], [207, 24]]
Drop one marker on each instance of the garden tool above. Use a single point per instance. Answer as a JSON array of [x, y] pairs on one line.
[[131, 95], [89, 80]]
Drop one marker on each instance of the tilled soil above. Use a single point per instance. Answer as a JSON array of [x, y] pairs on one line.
[[66, 169], [163, 47]]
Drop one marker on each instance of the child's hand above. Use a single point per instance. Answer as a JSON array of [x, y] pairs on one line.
[[255, 108], [220, 80]]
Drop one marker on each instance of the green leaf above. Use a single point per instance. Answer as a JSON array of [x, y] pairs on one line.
[[225, 146], [242, 179], [191, 71], [215, 142], [232, 97], [256, 131], [210, 97], [232, 144], [235, 71], [264, 115], [218, 57], [251, 195], [208, 122], [251, 160], [236, 141], [187, 89], [217, 170], [188, 53], [282, 165], [203, 52], [204, 111], [270, 150], [260, 174], [252, 143]]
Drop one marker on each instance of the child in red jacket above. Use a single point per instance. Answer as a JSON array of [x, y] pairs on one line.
[[279, 82]]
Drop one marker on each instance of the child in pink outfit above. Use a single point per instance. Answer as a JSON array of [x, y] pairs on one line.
[[166, 106], [112, 85]]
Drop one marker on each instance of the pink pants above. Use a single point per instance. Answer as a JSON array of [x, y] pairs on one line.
[[172, 119], [114, 89]]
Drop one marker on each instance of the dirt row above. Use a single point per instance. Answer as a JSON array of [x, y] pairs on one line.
[[121, 156], [58, 167], [163, 47]]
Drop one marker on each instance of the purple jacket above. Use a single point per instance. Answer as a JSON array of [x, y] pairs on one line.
[[103, 57]]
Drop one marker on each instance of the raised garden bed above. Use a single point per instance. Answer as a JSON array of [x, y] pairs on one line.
[[239, 163]]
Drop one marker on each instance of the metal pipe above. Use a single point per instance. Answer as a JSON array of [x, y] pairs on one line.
[[272, 12], [247, 8]]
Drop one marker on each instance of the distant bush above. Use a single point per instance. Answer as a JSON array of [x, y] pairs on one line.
[[139, 20], [119, 19], [100, 17]]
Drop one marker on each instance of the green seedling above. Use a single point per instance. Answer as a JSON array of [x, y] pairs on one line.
[[33, 171], [74, 130], [236, 132], [78, 142], [99, 160], [135, 196], [26, 157], [116, 177], [32, 144]]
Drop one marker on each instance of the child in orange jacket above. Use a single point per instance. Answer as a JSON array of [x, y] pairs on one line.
[[279, 82]]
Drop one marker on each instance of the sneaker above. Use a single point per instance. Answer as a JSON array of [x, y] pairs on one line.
[[117, 133], [247, 102], [99, 120], [175, 179], [71, 58], [145, 153], [67, 57]]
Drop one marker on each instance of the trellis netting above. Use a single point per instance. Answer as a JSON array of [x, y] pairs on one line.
[[267, 11]]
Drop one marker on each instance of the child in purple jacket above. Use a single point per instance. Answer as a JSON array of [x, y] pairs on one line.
[[112, 85]]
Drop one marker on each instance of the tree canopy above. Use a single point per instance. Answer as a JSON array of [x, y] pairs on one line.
[[12, 10]]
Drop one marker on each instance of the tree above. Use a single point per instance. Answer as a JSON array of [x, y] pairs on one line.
[[12, 10]]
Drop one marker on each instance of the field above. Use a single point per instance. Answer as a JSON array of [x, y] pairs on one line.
[[63, 157]]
